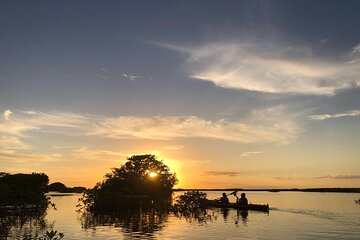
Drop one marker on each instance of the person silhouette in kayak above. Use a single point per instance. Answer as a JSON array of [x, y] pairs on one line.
[[224, 198], [242, 201]]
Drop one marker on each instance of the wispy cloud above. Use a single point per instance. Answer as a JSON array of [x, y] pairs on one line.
[[17, 128], [320, 117], [98, 154], [339, 176], [274, 124], [24, 121], [355, 54], [26, 156], [270, 68], [248, 154], [104, 73], [222, 173], [283, 178], [129, 76], [173, 147], [7, 114], [104, 69], [267, 125], [11, 144]]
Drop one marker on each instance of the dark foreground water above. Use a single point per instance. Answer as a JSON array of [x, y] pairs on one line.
[[293, 215]]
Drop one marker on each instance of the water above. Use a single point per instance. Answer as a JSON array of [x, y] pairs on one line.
[[293, 215]]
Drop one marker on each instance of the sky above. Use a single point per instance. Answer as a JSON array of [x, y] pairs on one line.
[[249, 94]]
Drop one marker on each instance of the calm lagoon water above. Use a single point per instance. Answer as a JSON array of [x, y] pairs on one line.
[[293, 215]]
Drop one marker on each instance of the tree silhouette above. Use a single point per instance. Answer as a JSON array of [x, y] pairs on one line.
[[22, 189], [140, 176]]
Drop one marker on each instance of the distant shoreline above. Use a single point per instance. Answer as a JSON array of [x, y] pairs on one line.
[[334, 190], [60, 194]]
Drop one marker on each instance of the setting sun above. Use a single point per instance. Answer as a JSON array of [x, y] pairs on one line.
[[152, 174]]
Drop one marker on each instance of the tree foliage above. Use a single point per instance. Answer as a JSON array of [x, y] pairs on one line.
[[190, 205], [23, 189], [141, 175], [134, 177]]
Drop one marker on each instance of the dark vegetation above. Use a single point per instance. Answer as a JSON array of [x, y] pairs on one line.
[[190, 206], [52, 235], [142, 178], [23, 207], [136, 197], [24, 225], [62, 188], [23, 190], [28, 190]]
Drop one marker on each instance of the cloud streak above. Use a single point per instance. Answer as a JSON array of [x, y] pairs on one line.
[[173, 147], [355, 54], [321, 117], [248, 154], [341, 177], [222, 173], [11, 144], [97, 154], [18, 126], [25, 121], [274, 124], [268, 125], [282, 178], [269, 68], [129, 76]]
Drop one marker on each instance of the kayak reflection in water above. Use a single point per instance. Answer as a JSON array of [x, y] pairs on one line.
[[225, 213], [244, 217]]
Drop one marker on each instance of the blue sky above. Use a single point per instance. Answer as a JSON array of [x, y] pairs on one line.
[[229, 93]]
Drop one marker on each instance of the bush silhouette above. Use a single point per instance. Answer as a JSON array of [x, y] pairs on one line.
[[23, 189]]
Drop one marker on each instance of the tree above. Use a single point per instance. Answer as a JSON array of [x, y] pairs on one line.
[[141, 175], [22, 189]]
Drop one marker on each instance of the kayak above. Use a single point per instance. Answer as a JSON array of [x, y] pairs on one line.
[[251, 207]]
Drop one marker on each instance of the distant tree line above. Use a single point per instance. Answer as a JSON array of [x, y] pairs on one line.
[[62, 188]]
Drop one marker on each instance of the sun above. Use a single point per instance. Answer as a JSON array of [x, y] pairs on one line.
[[152, 174]]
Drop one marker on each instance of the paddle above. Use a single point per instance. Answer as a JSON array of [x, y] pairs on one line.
[[232, 193]]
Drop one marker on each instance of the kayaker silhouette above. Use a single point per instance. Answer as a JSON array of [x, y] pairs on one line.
[[242, 201], [224, 198]]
